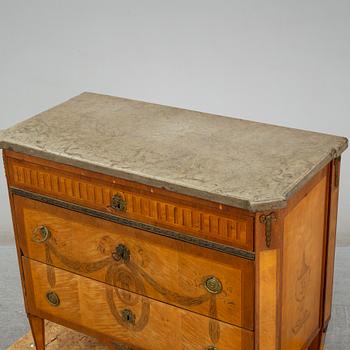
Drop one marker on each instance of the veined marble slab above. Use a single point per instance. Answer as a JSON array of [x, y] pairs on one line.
[[245, 164]]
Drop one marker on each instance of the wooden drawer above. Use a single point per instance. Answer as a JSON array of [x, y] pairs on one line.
[[158, 267], [130, 319], [154, 206]]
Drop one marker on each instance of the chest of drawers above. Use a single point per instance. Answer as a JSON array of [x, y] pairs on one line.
[[152, 227]]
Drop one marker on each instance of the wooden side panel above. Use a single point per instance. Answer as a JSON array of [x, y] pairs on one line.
[[158, 267], [150, 205], [332, 228], [130, 319], [303, 249]]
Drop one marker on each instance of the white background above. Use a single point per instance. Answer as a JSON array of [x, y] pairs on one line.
[[281, 62]]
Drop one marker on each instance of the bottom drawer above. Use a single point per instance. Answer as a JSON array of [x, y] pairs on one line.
[[129, 320]]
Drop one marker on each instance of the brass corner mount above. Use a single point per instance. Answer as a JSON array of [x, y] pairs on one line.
[[267, 220]]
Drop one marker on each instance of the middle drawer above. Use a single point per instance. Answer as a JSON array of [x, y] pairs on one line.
[[202, 280]]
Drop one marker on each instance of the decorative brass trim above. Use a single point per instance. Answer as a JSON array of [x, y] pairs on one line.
[[53, 298], [136, 224], [41, 234], [267, 221], [213, 285]]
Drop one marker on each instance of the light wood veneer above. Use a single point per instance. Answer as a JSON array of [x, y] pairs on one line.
[[98, 307], [158, 267]]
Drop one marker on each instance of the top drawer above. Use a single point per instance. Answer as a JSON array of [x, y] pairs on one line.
[[196, 217]]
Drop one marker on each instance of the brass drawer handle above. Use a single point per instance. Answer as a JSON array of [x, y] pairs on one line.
[[41, 234], [118, 203], [121, 252], [211, 348], [213, 285], [53, 298], [128, 316]]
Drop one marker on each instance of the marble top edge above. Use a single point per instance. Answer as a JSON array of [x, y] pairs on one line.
[[236, 202], [286, 169]]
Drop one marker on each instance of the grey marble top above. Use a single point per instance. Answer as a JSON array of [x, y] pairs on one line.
[[232, 161]]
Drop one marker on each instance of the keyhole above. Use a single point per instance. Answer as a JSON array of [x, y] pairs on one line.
[[128, 316], [118, 203]]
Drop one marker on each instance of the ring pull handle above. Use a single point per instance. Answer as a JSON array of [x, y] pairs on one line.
[[53, 298], [121, 252], [41, 234], [118, 203], [213, 285], [128, 316]]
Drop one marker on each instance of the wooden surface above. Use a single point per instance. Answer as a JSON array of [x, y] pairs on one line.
[[267, 284], [268, 296], [237, 162], [143, 203], [282, 304], [97, 308], [38, 330], [292, 269], [303, 267], [164, 269], [338, 333]]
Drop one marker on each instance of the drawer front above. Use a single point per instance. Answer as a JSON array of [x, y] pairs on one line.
[[130, 319], [203, 219], [202, 280]]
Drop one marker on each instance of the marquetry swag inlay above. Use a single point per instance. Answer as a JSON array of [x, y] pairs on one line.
[[130, 273]]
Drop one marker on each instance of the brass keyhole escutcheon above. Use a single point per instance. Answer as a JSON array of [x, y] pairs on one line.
[[53, 298], [128, 316], [118, 203], [41, 234], [213, 285], [121, 252]]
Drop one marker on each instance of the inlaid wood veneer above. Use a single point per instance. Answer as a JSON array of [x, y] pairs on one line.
[[150, 205], [84, 303], [158, 267]]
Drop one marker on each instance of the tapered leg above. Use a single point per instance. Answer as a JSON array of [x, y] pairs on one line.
[[318, 342], [38, 330]]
